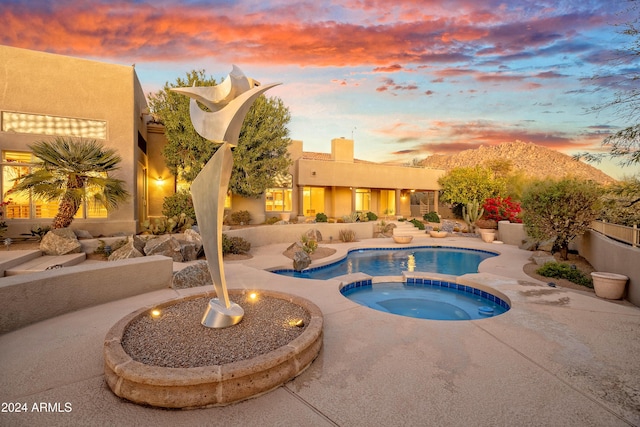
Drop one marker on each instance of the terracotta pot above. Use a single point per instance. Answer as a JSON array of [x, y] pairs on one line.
[[438, 233], [609, 285]]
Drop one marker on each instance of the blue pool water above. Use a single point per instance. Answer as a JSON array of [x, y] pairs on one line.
[[441, 301], [392, 262]]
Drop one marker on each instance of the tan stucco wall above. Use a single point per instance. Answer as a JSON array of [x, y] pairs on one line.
[[42, 83]]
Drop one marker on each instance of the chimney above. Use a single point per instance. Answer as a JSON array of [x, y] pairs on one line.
[[342, 150]]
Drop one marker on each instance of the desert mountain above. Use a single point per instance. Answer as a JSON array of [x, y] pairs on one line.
[[533, 160]]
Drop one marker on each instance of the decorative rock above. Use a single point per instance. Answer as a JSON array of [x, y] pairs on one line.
[[165, 245], [301, 260], [60, 241], [314, 234], [196, 274], [128, 250], [541, 257], [83, 234], [138, 243], [194, 237], [189, 252], [387, 230], [297, 246]]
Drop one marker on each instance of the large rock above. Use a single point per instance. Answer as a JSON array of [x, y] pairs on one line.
[[301, 260], [189, 252], [314, 234], [166, 245], [191, 235], [60, 241], [196, 274], [387, 229], [126, 251]]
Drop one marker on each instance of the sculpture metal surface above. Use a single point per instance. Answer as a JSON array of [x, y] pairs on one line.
[[229, 103]]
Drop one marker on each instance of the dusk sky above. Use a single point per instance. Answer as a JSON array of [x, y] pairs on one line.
[[404, 78]]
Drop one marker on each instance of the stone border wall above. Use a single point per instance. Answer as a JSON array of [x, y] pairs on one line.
[[289, 233], [31, 298], [605, 254]]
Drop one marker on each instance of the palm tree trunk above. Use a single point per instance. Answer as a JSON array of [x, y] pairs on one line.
[[69, 205]]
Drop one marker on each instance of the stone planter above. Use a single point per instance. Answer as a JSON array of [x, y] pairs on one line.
[[285, 216], [438, 234], [609, 285], [402, 239], [512, 233], [488, 236]]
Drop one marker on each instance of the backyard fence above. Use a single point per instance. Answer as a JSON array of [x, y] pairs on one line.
[[621, 233]]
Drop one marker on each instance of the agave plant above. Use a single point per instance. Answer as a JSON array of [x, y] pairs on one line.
[[72, 172]]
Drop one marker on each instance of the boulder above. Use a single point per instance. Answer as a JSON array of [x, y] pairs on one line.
[[541, 257], [192, 236], [196, 274], [314, 234], [60, 241], [126, 251], [301, 260], [189, 252], [387, 230], [165, 245]]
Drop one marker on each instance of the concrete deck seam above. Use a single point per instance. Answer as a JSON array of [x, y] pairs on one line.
[[36, 392], [579, 391], [309, 405]]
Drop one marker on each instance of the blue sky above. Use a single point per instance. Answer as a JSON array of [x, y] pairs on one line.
[[406, 78]]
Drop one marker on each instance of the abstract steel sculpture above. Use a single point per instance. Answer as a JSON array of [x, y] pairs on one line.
[[229, 103]]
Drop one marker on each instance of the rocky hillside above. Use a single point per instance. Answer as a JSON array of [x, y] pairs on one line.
[[535, 161]]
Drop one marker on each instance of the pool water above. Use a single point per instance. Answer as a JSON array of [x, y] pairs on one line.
[[392, 262], [427, 302]]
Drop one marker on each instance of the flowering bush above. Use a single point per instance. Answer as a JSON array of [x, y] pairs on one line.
[[500, 209]]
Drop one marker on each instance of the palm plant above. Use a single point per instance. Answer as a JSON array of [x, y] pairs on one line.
[[73, 172]]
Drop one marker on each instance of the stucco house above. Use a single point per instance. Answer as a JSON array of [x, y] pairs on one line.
[[46, 95]]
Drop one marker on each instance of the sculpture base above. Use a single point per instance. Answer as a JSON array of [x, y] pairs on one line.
[[219, 316]]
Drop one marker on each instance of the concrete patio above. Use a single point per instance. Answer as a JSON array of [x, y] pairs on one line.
[[559, 357]]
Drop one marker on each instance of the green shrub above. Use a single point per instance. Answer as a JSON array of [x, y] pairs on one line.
[[179, 203], [431, 217], [320, 217], [417, 223], [309, 245], [234, 245], [272, 220], [240, 218], [371, 216], [347, 235], [564, 271]]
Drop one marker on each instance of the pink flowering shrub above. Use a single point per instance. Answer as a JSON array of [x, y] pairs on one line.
[[500, 209]]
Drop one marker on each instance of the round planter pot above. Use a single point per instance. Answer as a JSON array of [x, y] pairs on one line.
[[402, 239], [438, 233], [488, 236], [609, 285]]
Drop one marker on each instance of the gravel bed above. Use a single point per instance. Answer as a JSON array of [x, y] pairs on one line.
[[177, 339]]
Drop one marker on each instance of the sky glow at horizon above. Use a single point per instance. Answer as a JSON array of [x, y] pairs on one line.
[[405, 80]]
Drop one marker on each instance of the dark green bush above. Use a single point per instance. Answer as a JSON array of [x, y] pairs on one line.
[[234, 245], [272, 220], [564, 271], [431, 217], [417, 223], [320, 217], [178, 203], [371, 216], [240, 218]]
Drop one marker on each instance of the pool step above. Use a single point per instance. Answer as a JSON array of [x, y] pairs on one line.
[[405, 228]]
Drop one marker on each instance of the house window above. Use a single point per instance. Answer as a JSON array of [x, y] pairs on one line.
[[363, 200], [388, 202], [280, 197], [312, 200], [52, 125], [16, 164]]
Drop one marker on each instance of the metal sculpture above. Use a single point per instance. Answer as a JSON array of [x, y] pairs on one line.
[[229, 103]]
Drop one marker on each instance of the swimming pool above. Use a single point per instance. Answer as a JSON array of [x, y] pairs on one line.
[[394, 261], [426, 299]]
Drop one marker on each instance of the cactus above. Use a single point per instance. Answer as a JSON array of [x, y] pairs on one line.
[[471, 213]]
